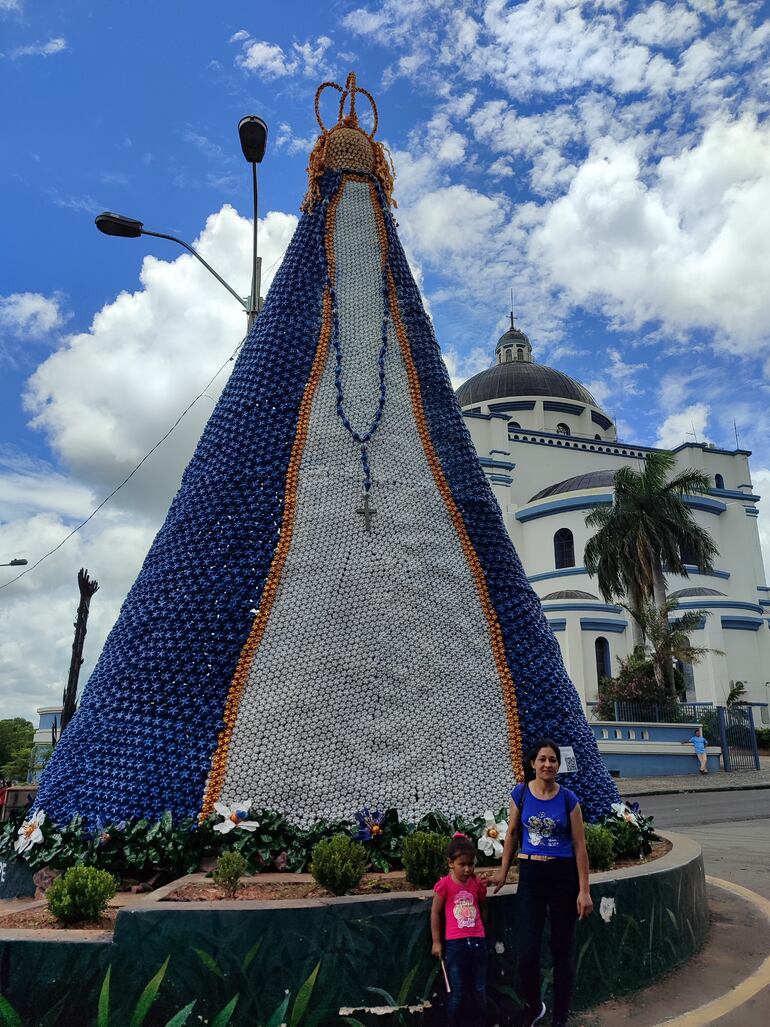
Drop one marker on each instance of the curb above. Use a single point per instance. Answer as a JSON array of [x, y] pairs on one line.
[[694, 791], [752, 985]]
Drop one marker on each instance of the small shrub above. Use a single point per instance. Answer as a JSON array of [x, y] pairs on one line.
[[81, 893], [599, 843], [338, 864], [424, 858], [228, 872], [763, 737]]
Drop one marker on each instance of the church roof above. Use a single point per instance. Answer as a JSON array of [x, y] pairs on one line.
[[569, 593], [700, 590], [520, 378], [589, 480]]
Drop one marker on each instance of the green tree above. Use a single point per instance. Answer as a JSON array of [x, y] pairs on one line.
[[668, 639], [16, 736], [644, 534]]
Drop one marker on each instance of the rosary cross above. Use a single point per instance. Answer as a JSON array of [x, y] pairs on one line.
[[367, 512]]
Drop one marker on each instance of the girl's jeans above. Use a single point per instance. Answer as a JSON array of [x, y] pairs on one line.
[[550, 886], [466, 967]]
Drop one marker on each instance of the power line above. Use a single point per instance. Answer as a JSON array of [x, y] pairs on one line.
[[127, 479], [146, 456]]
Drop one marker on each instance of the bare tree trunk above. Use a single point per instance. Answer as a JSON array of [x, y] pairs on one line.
[[87, 587], [663, 664], [635, 603]]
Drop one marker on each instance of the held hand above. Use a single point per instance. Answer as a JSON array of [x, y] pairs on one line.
[[498, 881], [436, 950], [585, 905]]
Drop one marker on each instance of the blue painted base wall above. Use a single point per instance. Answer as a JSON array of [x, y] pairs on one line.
[[642, 765]]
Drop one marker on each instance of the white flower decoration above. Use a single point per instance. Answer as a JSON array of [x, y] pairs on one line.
[[30, 833], [491, 841], [624, 813], [235, 816]]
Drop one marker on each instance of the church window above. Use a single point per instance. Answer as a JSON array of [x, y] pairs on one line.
[[597, 436], [563, 429], [719, 481], [563, 548], [514, 424], [508, 356], [603, 665], [519, 353], [688, 554]]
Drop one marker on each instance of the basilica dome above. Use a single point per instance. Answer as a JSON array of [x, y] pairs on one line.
[[520, 378], [516, 374]]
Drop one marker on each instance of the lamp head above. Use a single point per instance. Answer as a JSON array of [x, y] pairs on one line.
[[118, 224], [252, 132]]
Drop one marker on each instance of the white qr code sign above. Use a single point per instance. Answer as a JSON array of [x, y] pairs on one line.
[[568, 763]]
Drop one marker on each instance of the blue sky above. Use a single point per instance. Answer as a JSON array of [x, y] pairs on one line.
[[610, 161]]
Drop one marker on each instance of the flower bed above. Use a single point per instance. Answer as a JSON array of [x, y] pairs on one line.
[[324, 953]]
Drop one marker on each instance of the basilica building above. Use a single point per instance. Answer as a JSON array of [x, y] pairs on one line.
[[550, 453]]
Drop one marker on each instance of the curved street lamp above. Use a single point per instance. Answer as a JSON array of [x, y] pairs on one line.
[[15, 563], [252, 132]]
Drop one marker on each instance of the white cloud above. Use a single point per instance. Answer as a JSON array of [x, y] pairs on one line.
[[239, 36], [688, 425], [47, 49], [103, 399], [10, 5], [268, 60], [761, 481], [291, 143], [108, 394], [664, 24], [30, 315], [686, 243]]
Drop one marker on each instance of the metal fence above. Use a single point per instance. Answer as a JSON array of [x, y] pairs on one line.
[[663, 713], [738, 738]]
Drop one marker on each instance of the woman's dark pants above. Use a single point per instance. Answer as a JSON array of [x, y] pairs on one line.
[[466, 967], [547, 886]]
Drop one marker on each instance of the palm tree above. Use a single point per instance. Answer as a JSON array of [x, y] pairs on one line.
[[669, 639], [642, 536]]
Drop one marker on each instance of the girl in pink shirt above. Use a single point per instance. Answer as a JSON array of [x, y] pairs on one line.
[[457, 926]]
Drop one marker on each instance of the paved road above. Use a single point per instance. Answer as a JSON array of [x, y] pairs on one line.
[[733, 829]]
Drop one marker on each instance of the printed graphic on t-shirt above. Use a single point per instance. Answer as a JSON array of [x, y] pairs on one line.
[[464, 909], [542, 831]]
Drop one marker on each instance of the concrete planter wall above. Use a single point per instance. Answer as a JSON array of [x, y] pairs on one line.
[[648, 920]]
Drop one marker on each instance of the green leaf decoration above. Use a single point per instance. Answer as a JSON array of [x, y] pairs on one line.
[[147, 997], [248, 959], [103, 1011], [10, 1018], [182, 1016], [303, 997], [406, 987], [223, 1016], [209, 962], [277, 1018], [384, 994]]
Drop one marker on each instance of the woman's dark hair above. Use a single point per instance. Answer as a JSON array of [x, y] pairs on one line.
[[460, 845], [531, 755]]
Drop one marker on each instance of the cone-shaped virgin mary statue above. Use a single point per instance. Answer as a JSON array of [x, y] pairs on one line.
[[333, 614]]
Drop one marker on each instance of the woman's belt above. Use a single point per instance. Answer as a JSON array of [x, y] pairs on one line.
[[542, 859]]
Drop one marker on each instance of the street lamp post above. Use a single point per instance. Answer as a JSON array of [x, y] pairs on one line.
[[252, 132], [15, 563]]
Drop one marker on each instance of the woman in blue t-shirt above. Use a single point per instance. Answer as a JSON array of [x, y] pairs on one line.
[[553, 877]]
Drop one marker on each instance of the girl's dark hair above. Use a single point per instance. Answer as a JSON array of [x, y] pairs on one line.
[[460, 845], [531, 756]]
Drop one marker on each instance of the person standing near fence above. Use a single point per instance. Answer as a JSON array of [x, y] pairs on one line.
[[698, 743]]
